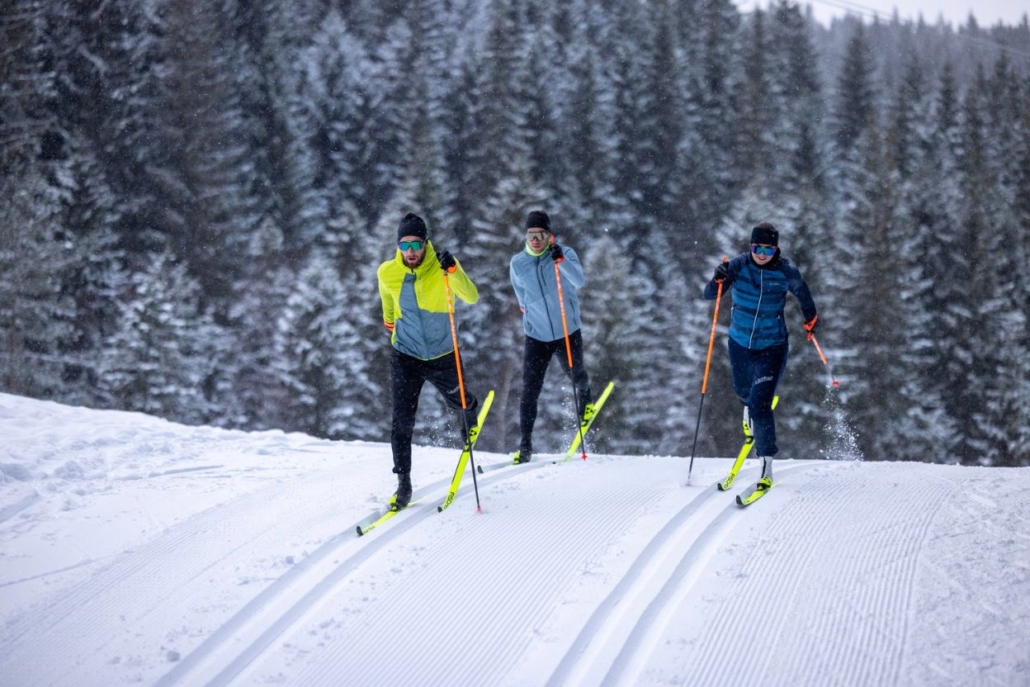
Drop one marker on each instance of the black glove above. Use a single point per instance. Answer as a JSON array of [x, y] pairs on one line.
[[447, 261], [557, 254], [810, 326], [721, 272]]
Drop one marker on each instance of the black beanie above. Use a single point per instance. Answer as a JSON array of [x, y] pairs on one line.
[[765, 233], [412, 225], [538, 218]]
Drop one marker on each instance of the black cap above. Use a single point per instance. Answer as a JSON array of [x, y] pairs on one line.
[[412, 225], [765, 233], [538, 219]]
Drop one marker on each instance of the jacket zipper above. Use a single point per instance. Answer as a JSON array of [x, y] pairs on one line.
[[543, 294], [758, 309]]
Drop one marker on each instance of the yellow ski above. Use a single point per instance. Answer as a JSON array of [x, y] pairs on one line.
[[588, 419], [459, 471], [749, 441]]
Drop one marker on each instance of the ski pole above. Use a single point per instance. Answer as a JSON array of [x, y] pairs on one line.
[[568, 353], [833, 380], [704, 384], [461, 385]]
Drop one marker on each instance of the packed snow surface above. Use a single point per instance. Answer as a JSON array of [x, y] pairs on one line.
[[137, 551]]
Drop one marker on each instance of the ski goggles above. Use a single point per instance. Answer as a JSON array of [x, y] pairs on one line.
[[409, 245], [767, 251]]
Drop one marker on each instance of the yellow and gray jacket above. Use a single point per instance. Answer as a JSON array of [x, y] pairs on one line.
[[415, 304]]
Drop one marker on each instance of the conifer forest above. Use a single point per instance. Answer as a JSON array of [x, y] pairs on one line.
[[195, 197]]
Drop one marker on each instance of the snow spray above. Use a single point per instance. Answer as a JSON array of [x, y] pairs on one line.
[[843, 441]]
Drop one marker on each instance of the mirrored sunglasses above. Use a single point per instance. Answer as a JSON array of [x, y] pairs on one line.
[[409, 245], [539, 235], [767, 251]]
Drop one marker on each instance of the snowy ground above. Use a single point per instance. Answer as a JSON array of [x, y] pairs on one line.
[[136, 551]]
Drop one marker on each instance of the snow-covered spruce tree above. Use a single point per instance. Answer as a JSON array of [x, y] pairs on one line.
[[1007, 401], [1019, 434], [677, 344], [546, 109], [36, 315], [163, 355], [585, 196], [314, 359], [48, 199], [265, 283], [611, 325], [721, 76], [756, 145], [908, 139], [208, 209], [991, 314], [934, 198], [662, 116], [845, 245], [92, 277]]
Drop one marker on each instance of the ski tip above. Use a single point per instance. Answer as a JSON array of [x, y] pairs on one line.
[[740, 501], [360, 531], [439, 509]]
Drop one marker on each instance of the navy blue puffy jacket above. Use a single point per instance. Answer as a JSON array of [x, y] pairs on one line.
[[759, 296]]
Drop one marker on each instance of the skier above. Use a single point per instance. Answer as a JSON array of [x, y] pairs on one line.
[[533, 277], [415, 311], [758, 341]]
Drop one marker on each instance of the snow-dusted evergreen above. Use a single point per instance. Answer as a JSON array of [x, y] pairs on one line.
[[259, 157]]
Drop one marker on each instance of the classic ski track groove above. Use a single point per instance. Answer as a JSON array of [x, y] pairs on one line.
[[470, 622], [606, 622], [454, 624], [781, 645], [94, 620], [746, 637], [240, 641], [685, 545]]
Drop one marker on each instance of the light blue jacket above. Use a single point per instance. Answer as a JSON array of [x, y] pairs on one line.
[[536, 287]]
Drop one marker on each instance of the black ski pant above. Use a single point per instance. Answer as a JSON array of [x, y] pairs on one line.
[[408, 375], [755, 376], [535, 359]]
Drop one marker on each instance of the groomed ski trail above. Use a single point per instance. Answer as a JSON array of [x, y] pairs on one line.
[[605, 572], [96, 624], [751, 630], [490, 612], [236, 645], [611, 641]]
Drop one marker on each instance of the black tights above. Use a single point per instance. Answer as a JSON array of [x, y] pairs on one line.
[[535, 359], [408, 375]]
